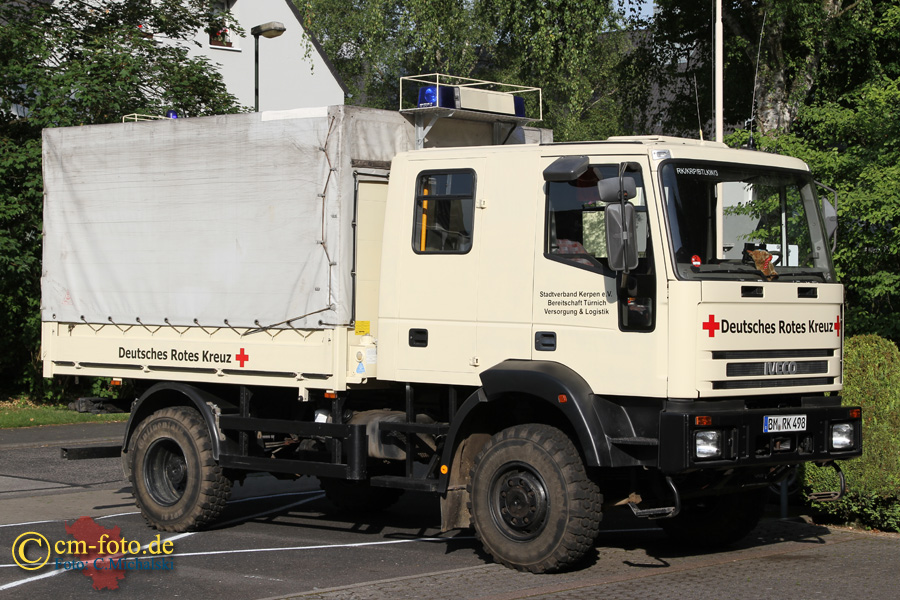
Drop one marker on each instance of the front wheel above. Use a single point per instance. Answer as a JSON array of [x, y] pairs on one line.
[[177, 484], [532, 504], [716, 521]]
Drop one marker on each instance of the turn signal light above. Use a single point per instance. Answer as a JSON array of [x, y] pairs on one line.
[[703, 421], [855, 413]]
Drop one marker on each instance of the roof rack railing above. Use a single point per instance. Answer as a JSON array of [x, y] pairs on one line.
[[427, 98]]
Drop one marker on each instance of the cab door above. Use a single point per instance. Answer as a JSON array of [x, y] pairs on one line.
[[607, 326], [437, 287]]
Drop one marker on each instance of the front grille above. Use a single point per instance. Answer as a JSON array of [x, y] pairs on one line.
[[774, 368], [743, 384], [759, 369], [772, 354]]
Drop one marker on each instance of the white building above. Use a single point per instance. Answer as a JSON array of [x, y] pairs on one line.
[[287, 79]]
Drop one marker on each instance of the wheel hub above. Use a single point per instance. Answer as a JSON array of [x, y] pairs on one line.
[[165, 472], [521, 503], [176, 469]]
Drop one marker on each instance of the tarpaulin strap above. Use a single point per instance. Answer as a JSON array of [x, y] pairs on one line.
[[110, 319], [91, 326], [152, 331], [175, 328], [197, 323]]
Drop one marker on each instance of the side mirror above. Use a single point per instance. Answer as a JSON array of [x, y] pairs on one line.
[[829, 214], [621, 243], [831, 220], [609, 189]]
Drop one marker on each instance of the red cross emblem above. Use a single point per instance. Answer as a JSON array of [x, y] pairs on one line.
[[712, 326], [242, 357], [837, 326]]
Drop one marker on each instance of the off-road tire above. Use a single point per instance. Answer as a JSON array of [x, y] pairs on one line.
[[177, 484], [716, 521], [533, 506], [358, 496]]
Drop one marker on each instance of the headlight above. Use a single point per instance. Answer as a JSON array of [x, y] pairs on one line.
[[708, 443], [842, 436]]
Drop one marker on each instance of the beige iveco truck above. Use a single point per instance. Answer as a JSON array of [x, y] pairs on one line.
[[441, 299]]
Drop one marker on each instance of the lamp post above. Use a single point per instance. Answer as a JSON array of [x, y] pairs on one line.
[[267, 30]]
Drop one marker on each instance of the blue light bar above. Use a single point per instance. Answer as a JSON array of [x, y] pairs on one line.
[[519, 101], [428, 97], [171, 114]]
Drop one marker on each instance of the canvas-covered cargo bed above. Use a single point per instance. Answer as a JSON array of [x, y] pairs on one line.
[[244, 220]]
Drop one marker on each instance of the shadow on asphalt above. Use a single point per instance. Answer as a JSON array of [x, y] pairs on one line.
[[417, 515], [661, 549]]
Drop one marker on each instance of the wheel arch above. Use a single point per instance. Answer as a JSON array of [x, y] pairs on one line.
[[516, 392], [168, 394], [549, 389]]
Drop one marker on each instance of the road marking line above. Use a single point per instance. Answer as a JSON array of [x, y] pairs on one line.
[[61, 520], [13, 584], [322, 546], [238, 501]]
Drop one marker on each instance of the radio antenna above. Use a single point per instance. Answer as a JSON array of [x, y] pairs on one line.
[[697, 101], [755, 78]]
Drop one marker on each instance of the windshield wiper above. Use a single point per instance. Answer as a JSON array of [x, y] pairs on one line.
[[819, 274], [728, 270]]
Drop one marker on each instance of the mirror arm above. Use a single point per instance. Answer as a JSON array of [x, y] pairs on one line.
[[834, 192], [625, 233]]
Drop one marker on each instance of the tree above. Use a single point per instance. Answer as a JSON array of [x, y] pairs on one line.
[[780, 55], [826, 91], [567, 47], [73, 63], [853, 145]]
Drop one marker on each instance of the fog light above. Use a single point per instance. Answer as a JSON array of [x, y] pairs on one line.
[[842, 436], [708, 443]]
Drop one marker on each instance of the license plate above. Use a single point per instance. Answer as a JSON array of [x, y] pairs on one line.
[[784, 423]]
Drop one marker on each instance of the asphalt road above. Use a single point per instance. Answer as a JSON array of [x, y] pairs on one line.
[[283, 539]]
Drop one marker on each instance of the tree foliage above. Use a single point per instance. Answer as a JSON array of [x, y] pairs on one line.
[[853, 144], [780, 55], [567, 47], [73, 63]]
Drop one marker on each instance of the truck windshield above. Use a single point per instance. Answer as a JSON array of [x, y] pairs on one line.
[[744, 222]]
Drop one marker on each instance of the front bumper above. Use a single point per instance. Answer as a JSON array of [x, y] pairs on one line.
[[745, 443]]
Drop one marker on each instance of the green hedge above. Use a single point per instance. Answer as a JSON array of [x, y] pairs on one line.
[[872, 381]]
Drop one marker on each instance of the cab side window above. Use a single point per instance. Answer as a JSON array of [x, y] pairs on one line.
[[445, 212], [576, 232]]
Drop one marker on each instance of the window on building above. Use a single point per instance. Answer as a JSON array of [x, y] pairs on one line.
[[218, 29], [445, 212]]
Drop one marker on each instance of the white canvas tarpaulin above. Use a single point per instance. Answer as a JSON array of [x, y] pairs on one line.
[[244, 219]]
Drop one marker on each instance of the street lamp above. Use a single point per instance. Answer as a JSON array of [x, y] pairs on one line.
[[267, 30]]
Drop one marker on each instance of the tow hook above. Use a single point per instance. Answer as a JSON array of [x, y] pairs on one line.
[[830, 496], [665, 512]]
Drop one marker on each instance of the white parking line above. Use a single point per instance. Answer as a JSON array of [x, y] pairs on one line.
[[124, 514], [321, 546], [317, 496]]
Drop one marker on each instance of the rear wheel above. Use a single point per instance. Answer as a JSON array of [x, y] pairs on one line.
[[532, 504], [177, 484], [716, 521]]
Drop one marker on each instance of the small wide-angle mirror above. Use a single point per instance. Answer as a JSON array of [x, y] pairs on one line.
[[566, 168], [610, 191]]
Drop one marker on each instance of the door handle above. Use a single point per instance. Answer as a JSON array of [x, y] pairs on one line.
[[545, 341]]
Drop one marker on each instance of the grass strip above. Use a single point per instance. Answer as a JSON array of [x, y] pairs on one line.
[[24, 413]]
